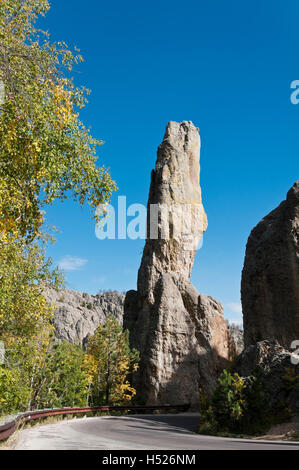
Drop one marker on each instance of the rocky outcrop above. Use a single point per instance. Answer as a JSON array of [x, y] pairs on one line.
[[175, 195], [77, 314], [270, 278], [278, 372], [182, 335], [235, 341]]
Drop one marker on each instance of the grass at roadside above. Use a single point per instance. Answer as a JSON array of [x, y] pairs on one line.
[[288, 431]]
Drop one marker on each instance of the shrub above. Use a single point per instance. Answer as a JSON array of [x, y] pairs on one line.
[[236, 406], [228, 403]]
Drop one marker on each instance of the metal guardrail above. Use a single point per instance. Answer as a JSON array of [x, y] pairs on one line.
[[8, 429]]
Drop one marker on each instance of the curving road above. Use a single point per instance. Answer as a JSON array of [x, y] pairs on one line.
[[150, 432]]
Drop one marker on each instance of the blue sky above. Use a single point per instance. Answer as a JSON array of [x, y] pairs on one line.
[[226, 66]]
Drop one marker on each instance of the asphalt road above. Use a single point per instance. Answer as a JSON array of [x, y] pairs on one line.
[[150, 432]]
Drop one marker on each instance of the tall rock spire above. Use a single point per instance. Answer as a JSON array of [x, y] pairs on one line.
[[182, 336], [176, 218]]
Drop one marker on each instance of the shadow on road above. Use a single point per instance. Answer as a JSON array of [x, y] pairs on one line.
[[179, 423], [187, 424]]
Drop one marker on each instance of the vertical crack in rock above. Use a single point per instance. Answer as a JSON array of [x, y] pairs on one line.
[[270, 277], [181, 335]]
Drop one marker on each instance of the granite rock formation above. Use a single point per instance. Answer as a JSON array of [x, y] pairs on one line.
[[78, 314], [235, 341], [278, 371], [181, 335], [270, 278]]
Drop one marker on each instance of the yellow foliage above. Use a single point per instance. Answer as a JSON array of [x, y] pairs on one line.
[[108, 363]]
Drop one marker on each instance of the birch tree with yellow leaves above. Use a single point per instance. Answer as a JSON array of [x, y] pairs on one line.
[[109, 363], [45, 149], [46, 153]]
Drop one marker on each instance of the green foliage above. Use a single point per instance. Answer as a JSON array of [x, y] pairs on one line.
[[291, 379], [109, 361], [235, 407], [63, 382], [45, 150], [208, 424], [228, 403], [46, 153], [25, 319], [25, 358], [40, 374], [256, 418], [12, 392], [24, 272]]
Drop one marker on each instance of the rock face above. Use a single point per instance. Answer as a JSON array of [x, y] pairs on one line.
[[174, 193], [182, 336], [278, 371], [79, 314], [235, 341], [270, 278]]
